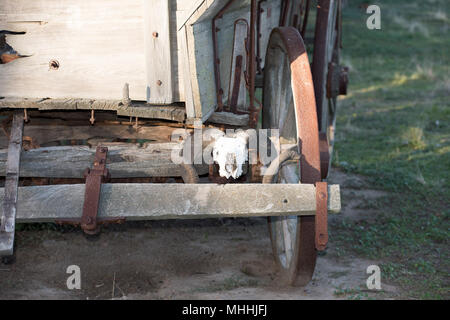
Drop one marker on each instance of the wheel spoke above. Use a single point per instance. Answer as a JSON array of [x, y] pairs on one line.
[[286, 95]]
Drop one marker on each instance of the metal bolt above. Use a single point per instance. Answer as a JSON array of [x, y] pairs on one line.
[[155, 34], [159, 82]]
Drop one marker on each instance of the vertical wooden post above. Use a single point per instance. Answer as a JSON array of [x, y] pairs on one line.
[[158, 53], [8, 220]]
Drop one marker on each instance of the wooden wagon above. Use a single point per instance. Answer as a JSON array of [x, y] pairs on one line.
[[125, 88]]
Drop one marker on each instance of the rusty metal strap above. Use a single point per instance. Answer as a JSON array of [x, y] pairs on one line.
[[94, 179], [321, 215]]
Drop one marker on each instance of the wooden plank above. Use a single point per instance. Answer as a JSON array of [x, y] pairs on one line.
[[99, 46], [269, 19], [8, 220], [173, 113], [143, 110], [195, 83], [171, 201], [186, 74], [124, 161], [43, 134], [229, 118], [158, 51]]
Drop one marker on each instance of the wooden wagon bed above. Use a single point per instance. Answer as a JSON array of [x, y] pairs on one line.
[[99, 100]]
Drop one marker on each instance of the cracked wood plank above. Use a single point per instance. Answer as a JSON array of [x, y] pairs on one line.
[[135, 201], [11, 183], [124, 161]]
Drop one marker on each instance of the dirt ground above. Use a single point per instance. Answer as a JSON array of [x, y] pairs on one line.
[[197, 259]]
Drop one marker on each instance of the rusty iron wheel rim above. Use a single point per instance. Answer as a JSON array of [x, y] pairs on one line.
[[286, 42], [327, 40]]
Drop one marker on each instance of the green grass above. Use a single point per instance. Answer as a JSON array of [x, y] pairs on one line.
[[394, 128]]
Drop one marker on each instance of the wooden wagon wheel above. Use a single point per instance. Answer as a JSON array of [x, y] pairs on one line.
[[289, 106], [329, 77]]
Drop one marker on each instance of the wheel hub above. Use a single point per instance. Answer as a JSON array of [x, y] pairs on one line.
[[337, 80]]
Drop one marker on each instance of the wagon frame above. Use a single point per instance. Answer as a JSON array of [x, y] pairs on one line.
[[191, 70]]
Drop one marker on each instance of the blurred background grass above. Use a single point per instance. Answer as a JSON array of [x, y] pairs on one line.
[[394, 128]]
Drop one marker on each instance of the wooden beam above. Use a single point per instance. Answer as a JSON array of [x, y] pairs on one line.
[[172, 201], [229, 118], [11, 183], [174, 112], [158, 51], [43, 134], [99, 46], [124, 161], [186, 74]]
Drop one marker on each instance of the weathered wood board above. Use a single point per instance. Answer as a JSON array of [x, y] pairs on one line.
[[229, 118], [158, 51], [123, 161], [99, 46], [9, 207], [144, 201], [167, 112], [44, 134]]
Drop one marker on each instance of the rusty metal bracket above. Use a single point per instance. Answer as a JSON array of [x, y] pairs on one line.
[[321, 224], [94, 179], [89, 221]]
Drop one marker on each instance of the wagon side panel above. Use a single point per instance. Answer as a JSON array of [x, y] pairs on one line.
[[96, 47]]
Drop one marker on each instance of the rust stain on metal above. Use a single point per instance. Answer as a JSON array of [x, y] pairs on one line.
[[308, 139], [320, 47], [321, 238], [94, 179]]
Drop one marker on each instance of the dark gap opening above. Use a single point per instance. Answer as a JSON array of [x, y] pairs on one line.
[[7, 53]]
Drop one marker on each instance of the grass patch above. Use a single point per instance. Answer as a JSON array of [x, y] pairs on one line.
[[394, 128]]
